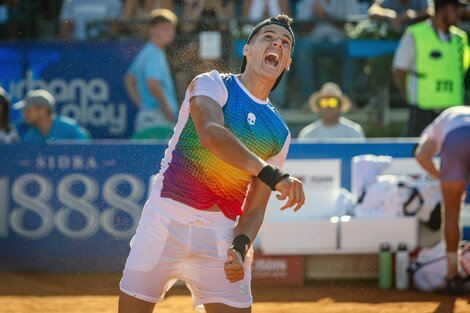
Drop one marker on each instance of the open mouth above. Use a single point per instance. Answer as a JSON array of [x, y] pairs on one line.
[[272, 59]]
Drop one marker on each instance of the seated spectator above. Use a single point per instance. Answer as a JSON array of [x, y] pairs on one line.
[[258, 10], [76, 14], [41, 124], [324, 40], [329, 103], [8, 133], [399, 13]]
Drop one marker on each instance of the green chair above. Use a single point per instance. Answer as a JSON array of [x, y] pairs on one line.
[[160, 132]]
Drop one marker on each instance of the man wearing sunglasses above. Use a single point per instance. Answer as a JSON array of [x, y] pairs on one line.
[[329, 103]]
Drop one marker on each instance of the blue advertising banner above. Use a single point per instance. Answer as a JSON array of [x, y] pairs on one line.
[[71, 207], [85, 78], [74, 207]]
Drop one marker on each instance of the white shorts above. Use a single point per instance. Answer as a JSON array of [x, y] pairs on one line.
[[174, 241]]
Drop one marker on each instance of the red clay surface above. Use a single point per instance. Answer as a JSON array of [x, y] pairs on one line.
[[90, 293]]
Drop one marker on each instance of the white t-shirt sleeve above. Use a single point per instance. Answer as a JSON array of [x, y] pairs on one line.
[[404, 58], [280, 158], [209, 85]]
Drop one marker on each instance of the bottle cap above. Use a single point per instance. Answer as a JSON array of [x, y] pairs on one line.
[[385, 246], [402, 246]]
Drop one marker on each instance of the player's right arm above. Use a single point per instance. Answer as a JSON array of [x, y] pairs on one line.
[[208, 120]]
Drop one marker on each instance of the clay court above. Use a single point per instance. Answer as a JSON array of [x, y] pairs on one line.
[[90, 293]]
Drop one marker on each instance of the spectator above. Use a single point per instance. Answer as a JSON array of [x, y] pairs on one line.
[[76, 14], [399, 13], [257, 10], [326, 39], [8, 133], [433, 79], [329, 103], [203, 17], [9, 11], [148, 80], [135, 14], [141, 8], [41, 124], [449, 136]]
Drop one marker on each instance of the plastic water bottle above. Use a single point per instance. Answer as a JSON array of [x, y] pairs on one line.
[[385, 266], [402, 262]]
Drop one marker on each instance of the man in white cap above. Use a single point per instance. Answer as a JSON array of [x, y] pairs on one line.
[[329, 103], [43, 125]]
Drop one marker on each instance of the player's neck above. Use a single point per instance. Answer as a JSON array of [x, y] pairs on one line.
[[258, 87]]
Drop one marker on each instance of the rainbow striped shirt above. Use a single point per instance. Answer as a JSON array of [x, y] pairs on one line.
[[192, 175]]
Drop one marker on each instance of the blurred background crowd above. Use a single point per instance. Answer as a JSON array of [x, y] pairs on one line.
[[347, 42]]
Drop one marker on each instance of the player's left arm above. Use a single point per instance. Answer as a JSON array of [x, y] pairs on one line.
[[247, 229]]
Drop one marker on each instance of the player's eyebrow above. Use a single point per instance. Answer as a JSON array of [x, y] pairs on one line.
[[273, 32]]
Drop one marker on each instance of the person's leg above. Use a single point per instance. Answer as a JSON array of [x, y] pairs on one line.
[[211, 237], [158, 251], [304, 62], [453, 174], [219, 307], [129, 304], [452, 192], [349, 73]]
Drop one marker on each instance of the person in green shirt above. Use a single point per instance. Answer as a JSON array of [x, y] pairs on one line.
[[430, 63]]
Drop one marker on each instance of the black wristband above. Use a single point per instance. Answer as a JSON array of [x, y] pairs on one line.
[[241, 243], [271, 175]]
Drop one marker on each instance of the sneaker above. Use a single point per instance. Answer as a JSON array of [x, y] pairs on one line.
[[453, 286]]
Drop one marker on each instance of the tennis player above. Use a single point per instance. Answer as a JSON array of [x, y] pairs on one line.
[[210, 196]]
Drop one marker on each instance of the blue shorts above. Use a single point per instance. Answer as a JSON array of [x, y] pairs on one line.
[[455, 155]]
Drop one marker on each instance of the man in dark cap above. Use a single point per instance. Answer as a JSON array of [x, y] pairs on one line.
[[211, 193], [430, 65], [42, 124]]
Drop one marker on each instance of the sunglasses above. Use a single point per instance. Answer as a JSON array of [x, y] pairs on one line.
[[330, 102]]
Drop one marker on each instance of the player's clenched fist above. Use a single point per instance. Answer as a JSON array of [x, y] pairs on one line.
[[234, 269]]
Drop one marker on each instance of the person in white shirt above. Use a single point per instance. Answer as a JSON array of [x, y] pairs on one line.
[[329, 103], [448, 135]]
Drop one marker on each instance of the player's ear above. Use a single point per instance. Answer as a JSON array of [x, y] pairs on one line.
[[246, 49], [288, 64]]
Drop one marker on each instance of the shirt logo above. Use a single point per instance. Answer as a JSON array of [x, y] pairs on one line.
[[251, 119]]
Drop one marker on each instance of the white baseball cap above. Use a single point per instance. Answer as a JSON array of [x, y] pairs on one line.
[[38, 97]]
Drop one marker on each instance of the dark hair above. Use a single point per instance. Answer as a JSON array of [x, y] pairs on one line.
[[281, 20], [5, 112]]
